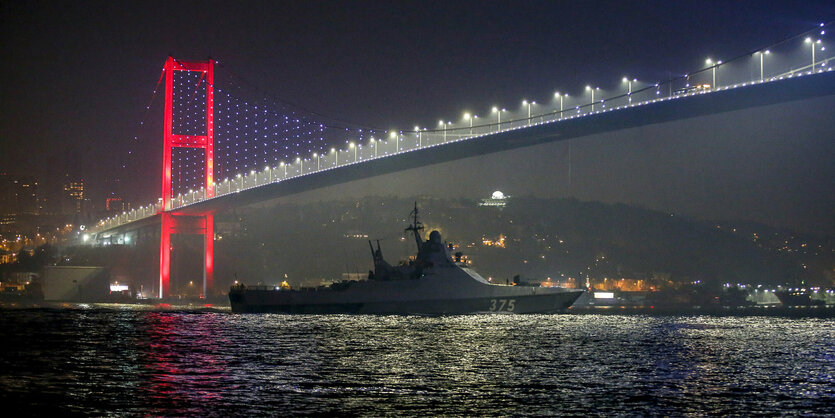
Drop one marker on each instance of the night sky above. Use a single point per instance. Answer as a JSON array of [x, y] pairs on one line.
[[77, 76]]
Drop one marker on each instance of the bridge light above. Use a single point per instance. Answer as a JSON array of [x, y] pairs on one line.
[[528, 104], [498, 117], [393, 135], [589, 88], [333, 149], [629, 87], [710, 62]]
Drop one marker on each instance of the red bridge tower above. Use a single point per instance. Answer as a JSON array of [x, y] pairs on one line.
[[172, 222]]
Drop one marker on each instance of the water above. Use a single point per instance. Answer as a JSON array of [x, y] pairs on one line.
[[134, 361]]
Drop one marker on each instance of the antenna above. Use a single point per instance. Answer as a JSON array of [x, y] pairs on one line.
[[415, 227]]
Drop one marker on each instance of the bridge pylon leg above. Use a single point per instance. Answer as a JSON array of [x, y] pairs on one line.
[[166, 221], [185, 224], [208, 255]]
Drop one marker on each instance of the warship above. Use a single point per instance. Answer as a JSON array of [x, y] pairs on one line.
[[433, 282]]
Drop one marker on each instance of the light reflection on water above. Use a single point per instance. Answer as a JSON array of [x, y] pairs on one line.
[[211, 362]]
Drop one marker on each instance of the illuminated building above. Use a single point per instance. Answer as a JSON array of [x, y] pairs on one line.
[[499, 242], [114, 201], [114, 204], [497, 199], [73, 196], [19, 196]]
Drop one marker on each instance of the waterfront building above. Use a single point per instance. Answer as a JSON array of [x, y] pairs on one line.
[[497, 199]]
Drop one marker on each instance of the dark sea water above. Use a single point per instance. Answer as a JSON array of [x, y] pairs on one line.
[[123, 360]]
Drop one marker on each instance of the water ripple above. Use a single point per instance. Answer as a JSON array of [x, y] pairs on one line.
[[212, 363]]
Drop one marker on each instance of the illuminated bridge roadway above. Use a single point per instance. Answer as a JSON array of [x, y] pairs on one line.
[[433, 147]]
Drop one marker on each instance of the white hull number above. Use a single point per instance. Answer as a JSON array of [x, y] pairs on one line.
[[502, 305]]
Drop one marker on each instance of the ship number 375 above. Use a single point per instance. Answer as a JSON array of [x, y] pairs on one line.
[[502, 305]]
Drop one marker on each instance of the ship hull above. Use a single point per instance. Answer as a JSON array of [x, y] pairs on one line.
[[276, 301]]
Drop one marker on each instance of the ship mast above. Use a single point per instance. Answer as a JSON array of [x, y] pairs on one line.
[[415, 227]]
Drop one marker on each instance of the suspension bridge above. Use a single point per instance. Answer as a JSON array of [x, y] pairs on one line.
[[220, 152]]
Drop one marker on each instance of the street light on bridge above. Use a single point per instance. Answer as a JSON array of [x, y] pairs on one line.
[[589, 88], [560, 96], [318, 160], [629, 87], [716, 64], [443, 125], [528, 104], [374, 143], [420, 139], [333, 151], [393, 135], [812, 44], [762, 54], [470, 118], [499, 115], [351, 145]]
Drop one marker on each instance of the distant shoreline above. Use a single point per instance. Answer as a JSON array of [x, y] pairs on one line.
[[826, 311]]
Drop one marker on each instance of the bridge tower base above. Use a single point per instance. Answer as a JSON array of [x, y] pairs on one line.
[[186, 224]]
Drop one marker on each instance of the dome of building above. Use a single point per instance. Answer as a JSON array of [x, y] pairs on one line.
[[498, 195]]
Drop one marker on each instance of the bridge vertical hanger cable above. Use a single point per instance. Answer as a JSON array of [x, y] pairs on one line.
[[339, 124]]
